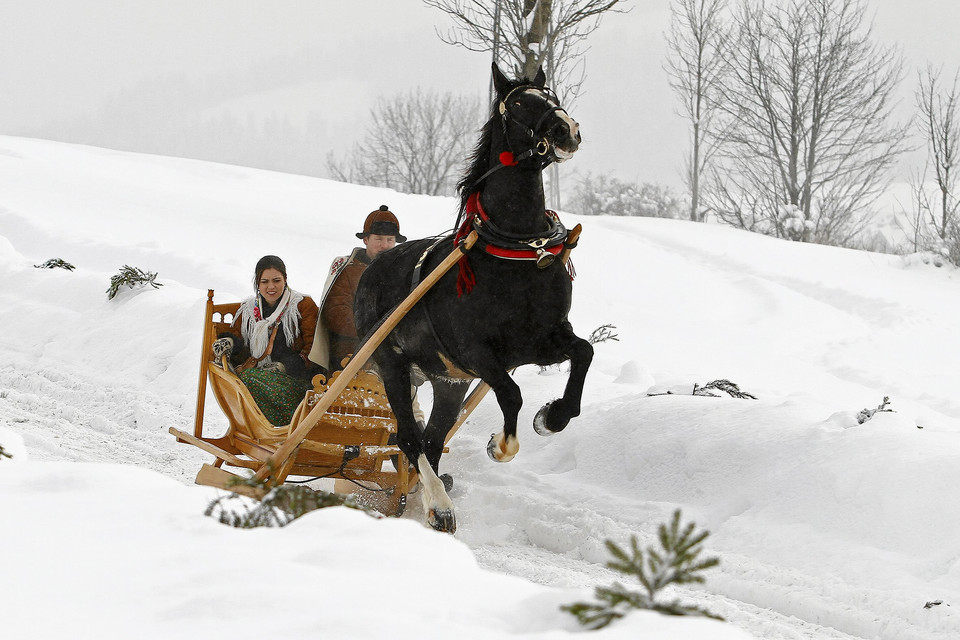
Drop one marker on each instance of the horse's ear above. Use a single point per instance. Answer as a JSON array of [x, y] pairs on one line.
[[500, 81], [541, 78]]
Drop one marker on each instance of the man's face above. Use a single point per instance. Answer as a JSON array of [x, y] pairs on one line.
[[377, 243]]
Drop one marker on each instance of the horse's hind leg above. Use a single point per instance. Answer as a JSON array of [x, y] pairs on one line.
[[555, 415], [436, 503], [447, 401]]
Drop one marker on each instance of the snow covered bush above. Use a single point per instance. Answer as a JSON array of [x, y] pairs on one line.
[[602, 195], [866, 414], [55, 263], [603, 333], [131, 277], [675, 562], [730, 388], [278, 508]]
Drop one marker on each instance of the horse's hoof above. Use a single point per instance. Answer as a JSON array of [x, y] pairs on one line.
[[494, 451], [540, 421], [442, 520]]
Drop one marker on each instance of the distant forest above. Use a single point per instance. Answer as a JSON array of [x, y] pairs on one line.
[[175, 115]]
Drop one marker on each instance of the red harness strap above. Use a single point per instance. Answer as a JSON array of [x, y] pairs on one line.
[[474, 211]]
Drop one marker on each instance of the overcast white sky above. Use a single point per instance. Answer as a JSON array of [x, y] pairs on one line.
[[62, 58]]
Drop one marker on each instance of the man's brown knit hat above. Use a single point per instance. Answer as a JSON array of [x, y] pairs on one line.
[[382, 223]]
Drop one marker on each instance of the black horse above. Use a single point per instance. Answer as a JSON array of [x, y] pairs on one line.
[[505, 306]]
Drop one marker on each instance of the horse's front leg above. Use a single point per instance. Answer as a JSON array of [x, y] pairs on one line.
[[555, 415], [504, 446]]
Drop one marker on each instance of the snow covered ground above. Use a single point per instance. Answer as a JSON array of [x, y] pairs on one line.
[[825, 528]]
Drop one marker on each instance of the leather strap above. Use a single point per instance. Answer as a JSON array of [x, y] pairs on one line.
[[251, 361]]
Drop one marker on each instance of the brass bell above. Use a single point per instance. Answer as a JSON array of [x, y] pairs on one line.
[[544, 258]]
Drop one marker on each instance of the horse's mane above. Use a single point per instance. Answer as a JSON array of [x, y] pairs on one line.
[[481, 154], [478, 163]]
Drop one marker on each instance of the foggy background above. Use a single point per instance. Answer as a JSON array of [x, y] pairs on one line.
[[280, 84]]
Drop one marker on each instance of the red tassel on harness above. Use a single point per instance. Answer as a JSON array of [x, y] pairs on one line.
[[465, 277]]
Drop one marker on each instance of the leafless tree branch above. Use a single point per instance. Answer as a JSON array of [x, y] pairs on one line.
[[415, 143]]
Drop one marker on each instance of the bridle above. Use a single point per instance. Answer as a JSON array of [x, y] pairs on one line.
[[541, 145]]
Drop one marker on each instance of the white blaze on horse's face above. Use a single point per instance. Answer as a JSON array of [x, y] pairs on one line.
[[564, 132], [562, 153]]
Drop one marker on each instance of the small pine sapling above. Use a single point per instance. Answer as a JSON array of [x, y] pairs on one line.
[[676, 562], [55, 263], [131, 277]]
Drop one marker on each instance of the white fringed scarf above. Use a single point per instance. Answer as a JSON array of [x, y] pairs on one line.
[[256, 330]]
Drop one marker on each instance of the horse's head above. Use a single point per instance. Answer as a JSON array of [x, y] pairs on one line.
[[533, 118]]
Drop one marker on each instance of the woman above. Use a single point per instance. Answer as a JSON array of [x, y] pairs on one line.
[[277, 327]]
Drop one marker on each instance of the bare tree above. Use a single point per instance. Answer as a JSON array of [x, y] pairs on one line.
[[697, 43], [940, 125], [415, 143], [528, 34], [805, 138]]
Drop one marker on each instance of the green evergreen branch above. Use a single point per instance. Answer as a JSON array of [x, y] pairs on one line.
[[676, 562], [131, 277]]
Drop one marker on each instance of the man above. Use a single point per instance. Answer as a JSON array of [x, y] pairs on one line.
[[381, 231]]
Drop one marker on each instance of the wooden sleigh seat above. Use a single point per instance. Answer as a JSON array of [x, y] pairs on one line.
[[348, 443]]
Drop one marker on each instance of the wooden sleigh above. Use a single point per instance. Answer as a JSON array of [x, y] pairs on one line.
[[349, 442], [340, 430]]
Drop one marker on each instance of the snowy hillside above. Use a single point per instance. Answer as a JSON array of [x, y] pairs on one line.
[[825, 528]]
